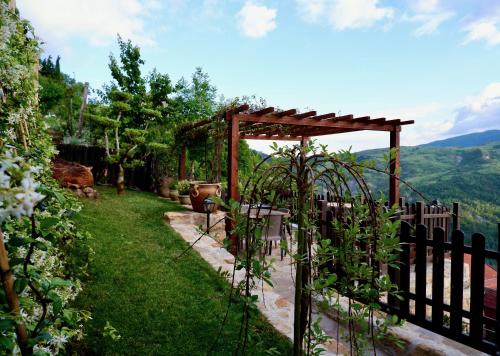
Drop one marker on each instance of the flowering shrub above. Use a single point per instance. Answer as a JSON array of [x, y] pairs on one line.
[[46, 254], [183, 187]]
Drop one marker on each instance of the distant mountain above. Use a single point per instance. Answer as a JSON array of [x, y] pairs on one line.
[[469, 140], [468, 175]]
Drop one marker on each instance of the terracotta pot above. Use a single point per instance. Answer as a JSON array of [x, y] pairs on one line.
[[174, 194], [185, 199], [201, 190]]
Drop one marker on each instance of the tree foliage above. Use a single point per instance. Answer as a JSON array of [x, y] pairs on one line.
[[60, 97]]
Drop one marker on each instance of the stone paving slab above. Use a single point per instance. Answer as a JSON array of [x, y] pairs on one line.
[[276, 303]]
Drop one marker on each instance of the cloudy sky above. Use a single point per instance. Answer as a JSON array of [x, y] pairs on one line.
[[434, 61]]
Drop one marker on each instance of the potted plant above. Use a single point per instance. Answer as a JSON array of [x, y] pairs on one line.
[[183, 189], [174, 193]]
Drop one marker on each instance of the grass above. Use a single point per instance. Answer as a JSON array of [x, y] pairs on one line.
[[158, 305]]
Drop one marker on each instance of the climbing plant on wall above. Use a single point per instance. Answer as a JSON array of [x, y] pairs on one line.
[[42, 254]]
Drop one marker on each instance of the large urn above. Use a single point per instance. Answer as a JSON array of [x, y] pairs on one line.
[[199, 191]]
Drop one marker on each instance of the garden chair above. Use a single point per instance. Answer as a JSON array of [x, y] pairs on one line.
[[273, 231], [255, 213]]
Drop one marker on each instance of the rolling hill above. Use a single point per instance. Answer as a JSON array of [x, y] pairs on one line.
[[469, 140], [444, 171]]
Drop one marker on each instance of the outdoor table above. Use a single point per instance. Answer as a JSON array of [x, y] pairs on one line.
[[255, 213]]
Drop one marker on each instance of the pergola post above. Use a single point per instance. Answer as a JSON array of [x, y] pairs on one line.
[[394, 167], [232, 170], [182, 163], [394, 170]]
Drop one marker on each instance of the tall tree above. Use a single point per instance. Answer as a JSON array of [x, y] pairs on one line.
[[128, 78]]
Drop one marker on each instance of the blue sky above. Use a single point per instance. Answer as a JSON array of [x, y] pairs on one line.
[[434, 61]]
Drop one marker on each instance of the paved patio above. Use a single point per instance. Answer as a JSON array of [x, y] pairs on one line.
[[277, 303]]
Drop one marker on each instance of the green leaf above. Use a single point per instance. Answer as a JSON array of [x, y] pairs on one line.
[[59, 282], [41, 245], [7, 324], [56, 302], [20, 284], [17, 241], [16, 261], [6, 342], [47, 223]]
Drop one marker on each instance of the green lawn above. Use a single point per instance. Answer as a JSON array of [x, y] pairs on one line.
[[158, 305]]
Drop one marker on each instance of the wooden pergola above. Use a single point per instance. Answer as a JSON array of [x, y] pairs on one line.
[[288, 125]]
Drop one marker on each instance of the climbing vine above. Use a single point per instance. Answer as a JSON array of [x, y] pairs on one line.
[[43, 255], [340, 272]]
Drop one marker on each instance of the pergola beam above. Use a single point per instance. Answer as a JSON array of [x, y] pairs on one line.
[[272, 137], [325, 116], [289, 120], [288, 125], [304, 115], [240, 108], [264, 111], [285, 113]]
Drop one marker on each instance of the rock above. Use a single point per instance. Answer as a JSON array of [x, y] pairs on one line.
[[90, 193], [79, 193], [426, 350], [71, 174]]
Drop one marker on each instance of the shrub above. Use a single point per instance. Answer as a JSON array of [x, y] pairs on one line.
[[173, 185], [183, 187]]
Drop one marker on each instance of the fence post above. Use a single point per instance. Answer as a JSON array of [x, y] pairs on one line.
[[419, 213], [457, 282], [477, 289], [405, 268], [420, 273], [456, 217], [438, 278], [394, 273], [323, 206]]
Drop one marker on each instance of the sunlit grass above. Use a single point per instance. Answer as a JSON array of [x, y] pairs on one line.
[[159, 305]]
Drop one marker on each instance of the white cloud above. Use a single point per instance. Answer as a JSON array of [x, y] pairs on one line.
[[256, 20], [480, 112], [487, 29], [311, 10], [429, 14], [430, 22], [347, 14], [426, 5], [344, 14], [96, 21]]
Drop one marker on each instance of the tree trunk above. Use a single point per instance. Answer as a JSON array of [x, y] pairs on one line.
[[298, 334], [70, 117], [12, 299], [106, 142], [117, 136], [120, 183], [82, 108]]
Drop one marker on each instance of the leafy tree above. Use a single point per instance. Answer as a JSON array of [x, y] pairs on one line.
[[60, 96], [128, 79], [195, 100]]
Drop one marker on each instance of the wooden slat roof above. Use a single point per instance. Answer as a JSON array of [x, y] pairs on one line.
[[271, 124]]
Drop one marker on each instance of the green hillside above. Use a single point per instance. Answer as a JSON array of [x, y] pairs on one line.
[[468, 175]]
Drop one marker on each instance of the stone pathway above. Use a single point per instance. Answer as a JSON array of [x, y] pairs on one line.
[[276, 303]]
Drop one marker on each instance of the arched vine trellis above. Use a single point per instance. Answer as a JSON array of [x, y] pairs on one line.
[[350, 267]]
